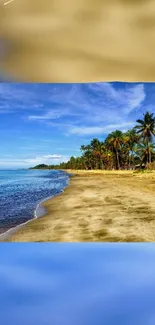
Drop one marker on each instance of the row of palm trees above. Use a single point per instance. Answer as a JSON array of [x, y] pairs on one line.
[[120, 150]]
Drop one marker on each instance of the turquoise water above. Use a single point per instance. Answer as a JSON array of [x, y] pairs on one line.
[[77, 284], [22, 190]]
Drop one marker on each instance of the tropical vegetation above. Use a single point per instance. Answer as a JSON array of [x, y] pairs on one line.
[[120, 150]]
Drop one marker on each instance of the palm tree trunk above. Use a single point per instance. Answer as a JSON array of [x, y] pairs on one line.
[[129, 160], [118, 165], [101, 164], [113, 163], [149, 156]]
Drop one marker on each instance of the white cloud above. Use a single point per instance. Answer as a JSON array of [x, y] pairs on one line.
[[98, 109], [52, 114], [27, 162], [52, 157], [47, 159], [128, 99], [93, 108], [134, 98], [15, 96], [94, 99], [84, 130]]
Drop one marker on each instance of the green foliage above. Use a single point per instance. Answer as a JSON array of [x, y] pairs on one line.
[[120, 150], [146, 129], [41, 166]]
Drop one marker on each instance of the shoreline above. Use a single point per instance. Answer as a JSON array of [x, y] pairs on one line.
[[43, 211], [95, 206]]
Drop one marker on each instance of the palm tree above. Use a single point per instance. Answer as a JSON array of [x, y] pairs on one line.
[[96, 151], [88, 157], [115, 141], [106, 159], [131, 138], [146, 128], [144, 149]]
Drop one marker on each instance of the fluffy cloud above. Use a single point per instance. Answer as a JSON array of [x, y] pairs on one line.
[[92, 108], [21, 162], [38, 117], [100, 130]]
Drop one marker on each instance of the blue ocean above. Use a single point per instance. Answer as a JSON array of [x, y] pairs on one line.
[[77, 284], [22, 190]]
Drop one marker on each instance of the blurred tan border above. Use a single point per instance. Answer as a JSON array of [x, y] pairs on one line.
[[78, 41]]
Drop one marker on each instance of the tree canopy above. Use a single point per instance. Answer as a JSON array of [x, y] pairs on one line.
[[120, 150]]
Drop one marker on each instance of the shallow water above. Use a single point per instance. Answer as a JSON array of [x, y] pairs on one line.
[[22, 190], [84, 284]]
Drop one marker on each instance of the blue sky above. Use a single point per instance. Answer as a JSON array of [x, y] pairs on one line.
[[47, 123], [76, 283]]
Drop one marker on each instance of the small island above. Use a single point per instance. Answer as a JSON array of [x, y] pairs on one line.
[[41, 166]]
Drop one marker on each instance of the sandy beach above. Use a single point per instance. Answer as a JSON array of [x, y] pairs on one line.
[[115, 206]]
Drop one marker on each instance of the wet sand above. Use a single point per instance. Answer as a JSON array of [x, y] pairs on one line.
[[97, 206]]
